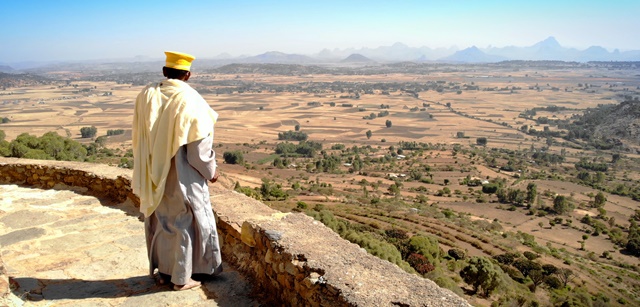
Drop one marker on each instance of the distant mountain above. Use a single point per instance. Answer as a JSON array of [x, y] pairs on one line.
[[472, 55], [357, 58], [397, 52], [223, 56], [551, 50], [6, 68], [278, 57], [548, 49]]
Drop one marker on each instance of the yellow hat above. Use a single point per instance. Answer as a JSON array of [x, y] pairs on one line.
[[179, 60]]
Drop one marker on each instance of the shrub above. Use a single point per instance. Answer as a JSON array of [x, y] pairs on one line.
[[301, 205], [115, 132], [233, 157], [293, 136], [507, 258], [482, 274], [420, 263], [457, 254], [88, 132]]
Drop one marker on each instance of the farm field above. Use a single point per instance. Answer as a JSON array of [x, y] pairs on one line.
[[411, 152]]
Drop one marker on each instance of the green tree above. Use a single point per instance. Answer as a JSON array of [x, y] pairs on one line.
[[297, 127], [388, 123], [88, 132], [537, 278], [482, 274], [516, 196], [233, 157], [53, 144], [599, 200], [293, 135], [565, 275], [369, 134], [633, 239], [482, 141], [532, 193], [561, 205]]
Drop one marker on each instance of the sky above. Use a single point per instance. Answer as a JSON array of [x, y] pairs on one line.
[[65, 30]]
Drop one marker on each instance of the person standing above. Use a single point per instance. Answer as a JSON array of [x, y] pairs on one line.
[[173, 130]]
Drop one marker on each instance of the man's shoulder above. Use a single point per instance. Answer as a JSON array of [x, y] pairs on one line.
[[149, 86]]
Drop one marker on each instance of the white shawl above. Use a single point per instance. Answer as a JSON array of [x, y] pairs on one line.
[[167, 115]]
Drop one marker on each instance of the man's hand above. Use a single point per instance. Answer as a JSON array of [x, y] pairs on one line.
[[215, 177]]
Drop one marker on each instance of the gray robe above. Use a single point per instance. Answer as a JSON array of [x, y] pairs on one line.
[[181, 233]]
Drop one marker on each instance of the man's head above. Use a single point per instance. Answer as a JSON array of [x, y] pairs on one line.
[[177, 65]]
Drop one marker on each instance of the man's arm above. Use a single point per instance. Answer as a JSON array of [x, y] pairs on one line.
[[201, 157]]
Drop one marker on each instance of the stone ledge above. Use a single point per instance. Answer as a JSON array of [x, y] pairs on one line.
[[101, 181], [295, 259]]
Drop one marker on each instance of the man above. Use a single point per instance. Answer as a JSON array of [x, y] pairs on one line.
[[173, 160]]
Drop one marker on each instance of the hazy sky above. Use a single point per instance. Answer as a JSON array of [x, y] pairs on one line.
[[86, 29]]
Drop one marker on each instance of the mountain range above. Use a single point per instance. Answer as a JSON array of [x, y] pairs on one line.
[[546, 50]]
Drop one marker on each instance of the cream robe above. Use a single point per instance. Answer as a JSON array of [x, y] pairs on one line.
[[167, 115], [173, 137]]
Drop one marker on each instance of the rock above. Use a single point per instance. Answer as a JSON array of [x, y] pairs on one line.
[[247, 234], [273, 235]]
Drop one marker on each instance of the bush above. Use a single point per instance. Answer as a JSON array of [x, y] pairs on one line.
[[396, 234], [50, 146], [293, 136], [88, 132], [420, 263], [507, 258], [233, 157], [513, 273], [553, 282], [272, 191], [482, 274], [426, 246], [115, 132], [301, 205], [457, 254], [531, 256]]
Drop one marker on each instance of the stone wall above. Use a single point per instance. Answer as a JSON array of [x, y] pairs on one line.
[[292, 259], [96, 180]]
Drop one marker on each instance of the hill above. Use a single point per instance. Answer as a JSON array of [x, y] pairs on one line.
[[6, 68], [609, 126], [357, 58], [473, 55], [17, 80], [622, 121]]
